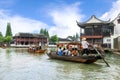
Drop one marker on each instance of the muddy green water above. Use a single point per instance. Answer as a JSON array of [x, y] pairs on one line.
[[18, 64]]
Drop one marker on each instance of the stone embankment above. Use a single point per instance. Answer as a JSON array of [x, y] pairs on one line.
[[116, 51]]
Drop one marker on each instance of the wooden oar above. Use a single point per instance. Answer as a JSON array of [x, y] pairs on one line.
[[101, 56]]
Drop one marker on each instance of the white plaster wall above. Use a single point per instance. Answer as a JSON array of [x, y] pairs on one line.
[[106, 40], [117, 26]]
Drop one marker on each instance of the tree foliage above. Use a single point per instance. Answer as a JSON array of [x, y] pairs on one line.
[[44, 32], [54, 38], [1, 34], [8, 39], [1, 37], [41, 31], [8, 31], [76, 37], [8, 36]]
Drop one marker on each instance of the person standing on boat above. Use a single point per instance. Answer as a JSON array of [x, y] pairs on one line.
[[84, 46], [40, 45]]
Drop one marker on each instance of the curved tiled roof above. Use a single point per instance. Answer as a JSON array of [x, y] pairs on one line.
[[28, 35], [118, 16], [93, 20]]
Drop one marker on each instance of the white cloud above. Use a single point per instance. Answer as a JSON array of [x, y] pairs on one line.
[[113, 12], [20, 24], [64, 19]]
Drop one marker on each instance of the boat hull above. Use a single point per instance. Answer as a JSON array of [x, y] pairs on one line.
[[36, 51], [79, 59]]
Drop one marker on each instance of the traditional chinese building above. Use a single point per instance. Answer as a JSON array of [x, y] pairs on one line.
[[97, 31], [116, 21], [28, 38], [115, 38]]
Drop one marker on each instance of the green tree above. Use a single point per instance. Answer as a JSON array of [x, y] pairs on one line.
[[1, 34], [74, 38], [77, 36], [44, 32], [54, 38], [8, 36], [1, 38], [8, 39], [8, 31], [47, 34], [41, 31]]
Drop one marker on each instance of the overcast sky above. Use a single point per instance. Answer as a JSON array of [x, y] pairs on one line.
[[57, 16]]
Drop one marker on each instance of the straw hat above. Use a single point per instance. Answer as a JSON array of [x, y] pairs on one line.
[[83, 39]]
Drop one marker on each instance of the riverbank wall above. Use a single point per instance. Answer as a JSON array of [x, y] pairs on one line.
[[113, 51], [116, 51]]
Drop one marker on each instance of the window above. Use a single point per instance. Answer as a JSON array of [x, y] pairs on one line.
[[106, 31], [118, 21], [108, 40], [97, 31], [88, 31]]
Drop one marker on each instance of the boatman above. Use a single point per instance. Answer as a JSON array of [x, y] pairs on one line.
[[84, 46]]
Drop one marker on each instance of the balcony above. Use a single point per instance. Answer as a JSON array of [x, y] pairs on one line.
[[91, 36]]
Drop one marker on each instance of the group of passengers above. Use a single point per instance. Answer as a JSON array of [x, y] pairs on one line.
[[66, 51], [33, 48], [74, 51], [84, 50]]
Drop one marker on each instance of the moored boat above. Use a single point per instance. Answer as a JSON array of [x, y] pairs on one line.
[[4, 46]]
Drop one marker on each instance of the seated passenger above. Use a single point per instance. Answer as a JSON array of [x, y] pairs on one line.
[[74, 52], [60, 51], [65, 51], [69, 52]]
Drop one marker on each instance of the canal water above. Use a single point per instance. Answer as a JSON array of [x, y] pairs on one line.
[[18, 64]]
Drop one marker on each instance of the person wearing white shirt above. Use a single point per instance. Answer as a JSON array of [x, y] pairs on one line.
[[85, 46]]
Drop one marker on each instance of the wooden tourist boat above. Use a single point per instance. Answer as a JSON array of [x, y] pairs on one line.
[[40, 51], [80, 59], [37, 51], [91, 58]]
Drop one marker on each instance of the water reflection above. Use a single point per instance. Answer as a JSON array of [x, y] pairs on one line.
[[18, 64]]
